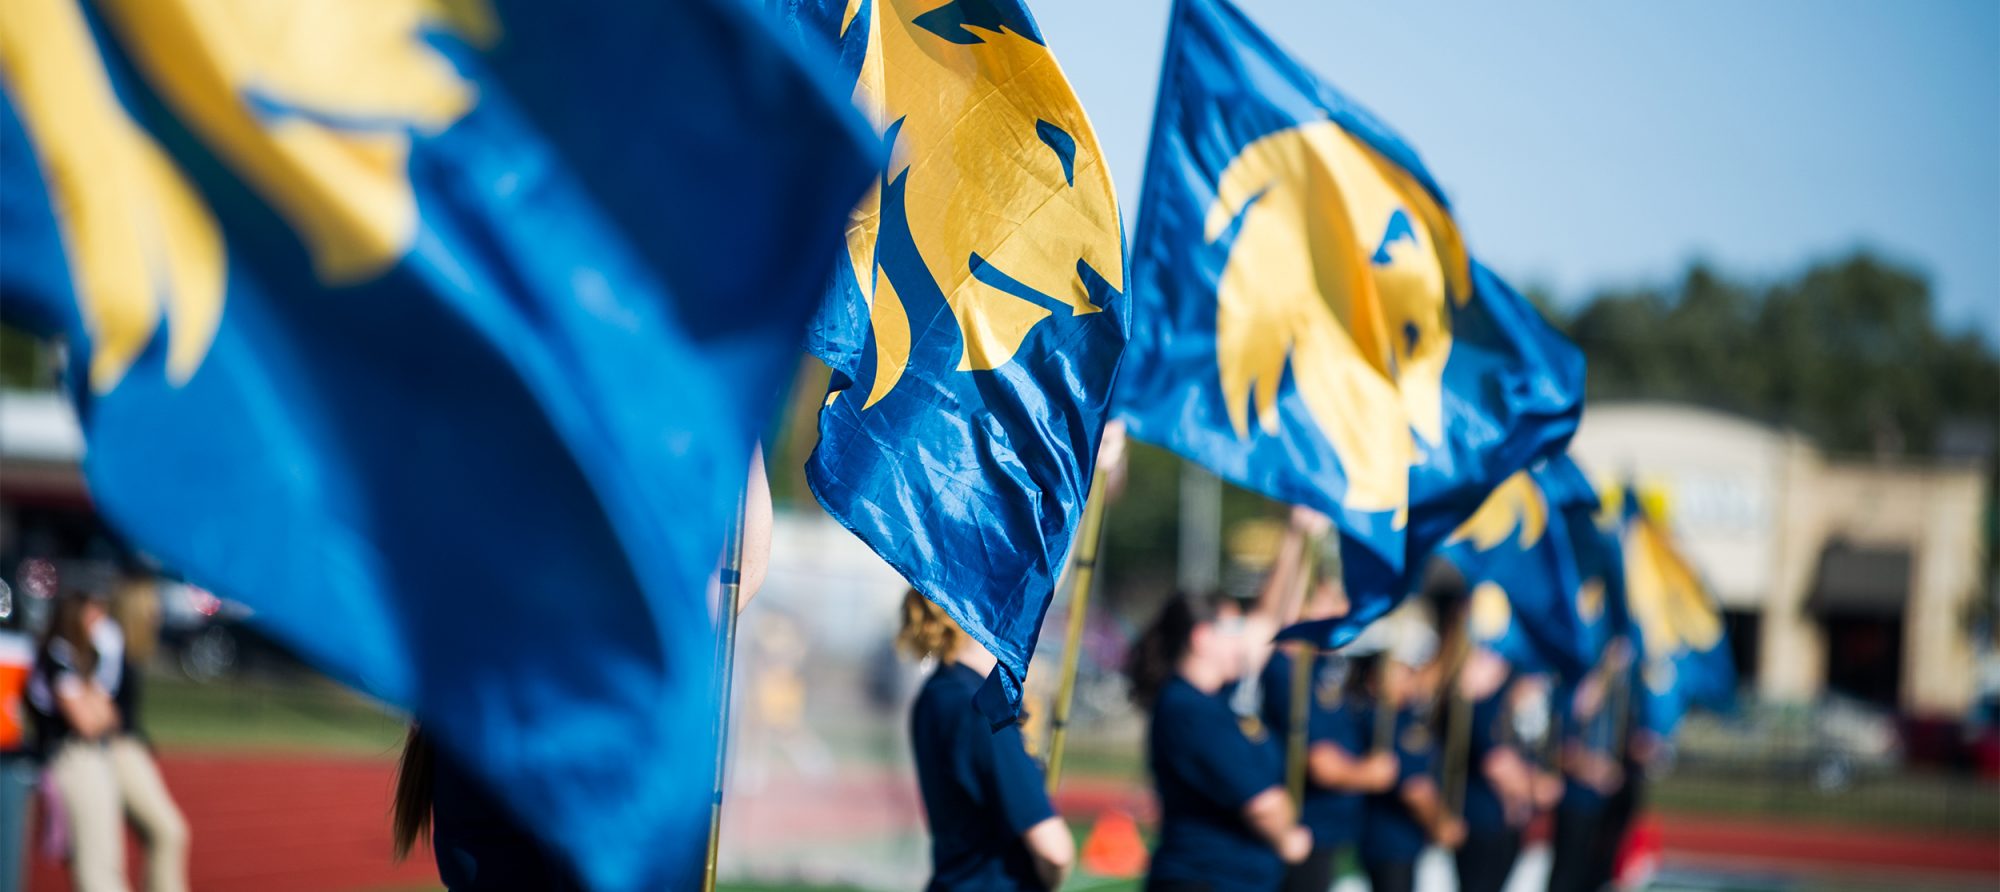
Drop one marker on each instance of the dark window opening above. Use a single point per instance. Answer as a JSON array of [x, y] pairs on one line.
[[1864, 658]]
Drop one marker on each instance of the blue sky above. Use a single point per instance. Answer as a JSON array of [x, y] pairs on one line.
[[1587, 144]]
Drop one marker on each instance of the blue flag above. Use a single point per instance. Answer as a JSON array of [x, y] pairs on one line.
[[1533, 563], [977, 317], [1683, 650], [1309, 323], [1600, 565], [438, 334]]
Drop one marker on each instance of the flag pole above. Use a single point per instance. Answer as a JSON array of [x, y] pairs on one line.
[[1458, 746], [1558, 730], [1621, 714], [1295, 736], [1385, 712], [725, 664], [1303, 659], [1082, 574]]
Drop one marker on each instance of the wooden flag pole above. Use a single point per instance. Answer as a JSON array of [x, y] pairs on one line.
[[1621, 712], [1385, 712], [1082, 573], [1552, 748], [1457, 753], [1296, 737], [1303, 659], [725, 666]]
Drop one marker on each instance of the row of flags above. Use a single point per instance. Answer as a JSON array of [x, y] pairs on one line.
[[1556, 571], [440, 334]]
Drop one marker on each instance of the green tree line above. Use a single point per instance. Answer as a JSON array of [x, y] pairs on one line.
[[1848, 352]]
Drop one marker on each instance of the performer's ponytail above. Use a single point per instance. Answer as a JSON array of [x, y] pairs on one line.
[[1156, 656], [410, 817], [927, 633]]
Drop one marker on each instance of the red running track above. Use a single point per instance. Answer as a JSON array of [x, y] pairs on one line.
[[310, 824], [1820, 849], [1722, 842], [318, 824]]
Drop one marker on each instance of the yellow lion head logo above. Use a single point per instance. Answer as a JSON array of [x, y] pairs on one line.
[[278, 90], [1668, 602], [1003, 171], [1341, 264], [1515, 508]]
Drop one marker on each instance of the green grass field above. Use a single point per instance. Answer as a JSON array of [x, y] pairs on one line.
[[1908, 801], [251, 716]]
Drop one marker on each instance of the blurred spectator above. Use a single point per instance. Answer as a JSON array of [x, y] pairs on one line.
[[102, 771], [18, 768], [778, 706]]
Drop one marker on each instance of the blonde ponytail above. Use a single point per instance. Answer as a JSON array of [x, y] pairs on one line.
[[927, 632]]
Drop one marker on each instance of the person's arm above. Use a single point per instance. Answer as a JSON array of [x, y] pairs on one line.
[[1512, 780], [1278, 599], [1225, 768], [1270, 814], [89, 711], [757, 523], [1052, 849], [1645, 747], [1420, 794], [1593, 768], [108, 639], [1589, 698], [1024, 804], [1333, 768], [1548, 788]]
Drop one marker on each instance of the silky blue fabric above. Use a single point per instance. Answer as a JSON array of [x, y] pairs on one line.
[[487, 480], [970, 480], [1599, 560], [1511, 386], [1552, 604], [1683, 646]]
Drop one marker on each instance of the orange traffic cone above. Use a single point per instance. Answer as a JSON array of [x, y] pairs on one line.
[[1114, 847]]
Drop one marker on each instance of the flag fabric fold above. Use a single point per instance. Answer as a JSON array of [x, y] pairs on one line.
[[1537, 595], [1684, 658], [977, 317], [1309, 323], [438, 334]]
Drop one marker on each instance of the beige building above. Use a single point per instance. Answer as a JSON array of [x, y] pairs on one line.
[[1856, 576]]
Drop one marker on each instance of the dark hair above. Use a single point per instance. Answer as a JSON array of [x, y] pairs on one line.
[[1364, 676], [416, 778], [1156, 655], [67, 626]]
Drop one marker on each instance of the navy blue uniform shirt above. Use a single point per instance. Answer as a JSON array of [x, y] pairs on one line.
[[1333, 816], [1483, 810], [478, 844], [1207, 765], [1596, 734], [1390, 833], [981, 790]]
